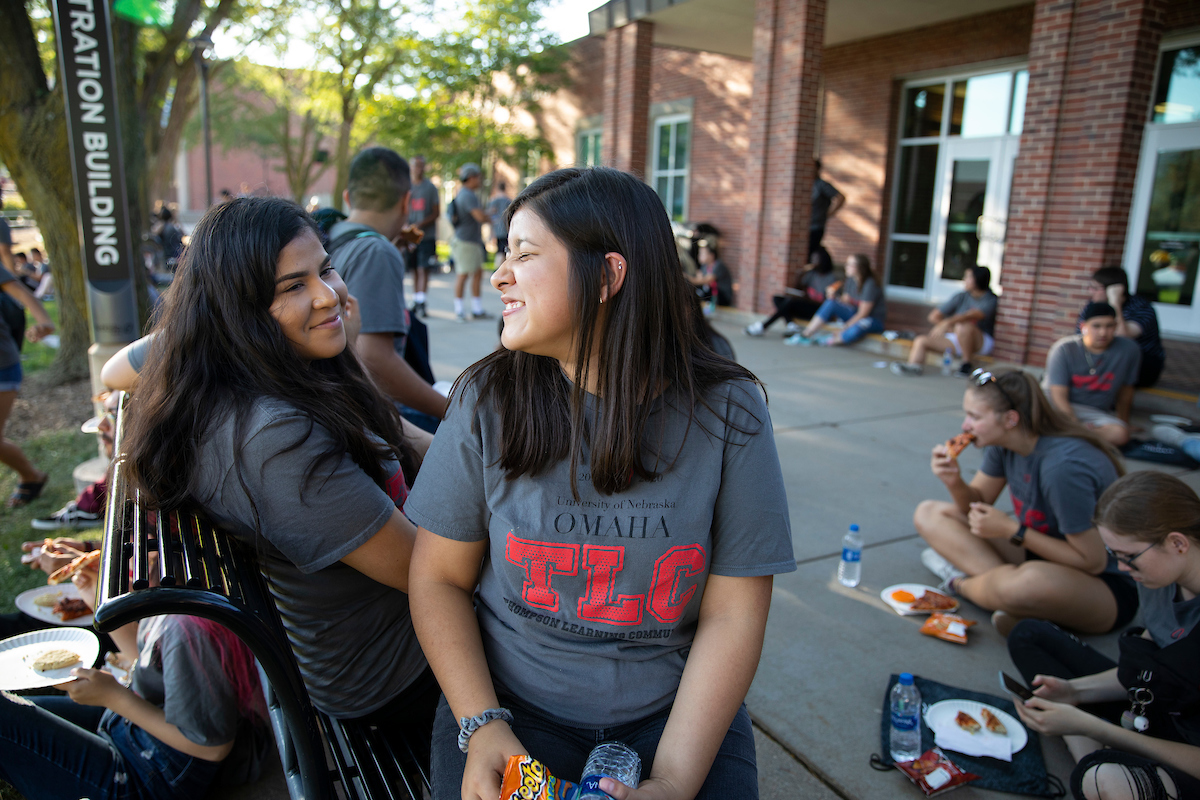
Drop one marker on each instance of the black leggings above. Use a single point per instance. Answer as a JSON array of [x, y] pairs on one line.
[[1038, 647], [790, 308], [1141, 775]]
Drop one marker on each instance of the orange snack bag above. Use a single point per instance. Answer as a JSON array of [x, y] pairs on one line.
[[950, 627], [934, 773], [526, 778]]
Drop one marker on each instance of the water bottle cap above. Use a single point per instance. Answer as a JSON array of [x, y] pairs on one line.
[[906, 678], [854, 528]]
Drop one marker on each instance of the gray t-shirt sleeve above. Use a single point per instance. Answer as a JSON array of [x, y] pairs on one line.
[[751, 529], [1071, 487], [349, 506], [5, 232], [374, 274], [452, 475], [199, 699], [1058, 364], [953, 305], [136, 354]]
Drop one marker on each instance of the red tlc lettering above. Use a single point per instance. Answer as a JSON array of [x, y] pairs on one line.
[[666, 602], [541, 563], [602, 603]]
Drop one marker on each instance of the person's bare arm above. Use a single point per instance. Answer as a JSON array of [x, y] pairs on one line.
[[6, 258], [118, 373], [479, 215], [1124, 407], [385, 557], [1060, 396], [395, 377], [44, 326], [835, 205], [935, 317], [1082, 551], [434, 212]]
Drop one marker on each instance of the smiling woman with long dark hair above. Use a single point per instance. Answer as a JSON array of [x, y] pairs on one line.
[[601, 515], [252, 407]]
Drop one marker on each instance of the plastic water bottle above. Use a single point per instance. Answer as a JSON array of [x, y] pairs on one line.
[[946, 363], [850, 569], [905, 739], [609, 760]]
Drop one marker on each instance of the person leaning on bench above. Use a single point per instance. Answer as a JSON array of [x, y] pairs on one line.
[[963, 324], [252, 408]]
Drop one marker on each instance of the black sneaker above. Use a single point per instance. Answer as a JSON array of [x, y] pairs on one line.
[[965, 370], [69, 516]]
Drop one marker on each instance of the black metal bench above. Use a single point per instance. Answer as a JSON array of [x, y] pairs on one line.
[[203, 572]]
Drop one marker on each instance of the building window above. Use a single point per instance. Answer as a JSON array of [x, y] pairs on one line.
[[587, 148], [1177, 98], [956, 134], [672, 146]]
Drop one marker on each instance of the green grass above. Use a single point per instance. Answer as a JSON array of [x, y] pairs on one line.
[[58, 454], [35, 356]]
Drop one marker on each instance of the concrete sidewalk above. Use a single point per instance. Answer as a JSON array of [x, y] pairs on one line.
[[854, 443]]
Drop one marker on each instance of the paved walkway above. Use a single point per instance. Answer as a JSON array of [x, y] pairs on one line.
[[854, 443]]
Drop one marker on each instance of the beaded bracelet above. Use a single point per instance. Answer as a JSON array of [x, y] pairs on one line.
[[469, 725]]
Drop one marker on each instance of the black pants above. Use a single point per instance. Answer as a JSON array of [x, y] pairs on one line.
[[789, 308], [815, 235], [1038, 647], [1142, 774], [1150, 371]]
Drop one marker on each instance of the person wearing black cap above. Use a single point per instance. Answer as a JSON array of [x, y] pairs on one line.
[[1091, 376]]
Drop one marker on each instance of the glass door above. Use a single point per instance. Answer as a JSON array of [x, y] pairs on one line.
[[1162, 250], [973, 218]]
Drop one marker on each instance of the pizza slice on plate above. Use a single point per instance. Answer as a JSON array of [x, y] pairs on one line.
[[967, 722], [992, 722]]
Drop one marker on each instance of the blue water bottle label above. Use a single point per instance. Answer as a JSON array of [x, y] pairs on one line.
[[904, 722], [851, 555], [589, 786]]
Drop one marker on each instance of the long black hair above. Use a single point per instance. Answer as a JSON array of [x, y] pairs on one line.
[[219, 350], [647, 346]]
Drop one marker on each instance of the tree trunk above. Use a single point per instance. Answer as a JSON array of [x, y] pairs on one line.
[[183, 105], [33, 145], [349, 111]]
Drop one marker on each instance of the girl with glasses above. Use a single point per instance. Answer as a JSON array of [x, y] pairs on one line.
[[1133, 724], [601, 512], [1046, 560]]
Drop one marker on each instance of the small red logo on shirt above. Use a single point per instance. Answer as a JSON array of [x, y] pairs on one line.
[[1178, 633]]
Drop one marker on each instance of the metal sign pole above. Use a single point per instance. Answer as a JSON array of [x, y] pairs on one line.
[[85, 56]]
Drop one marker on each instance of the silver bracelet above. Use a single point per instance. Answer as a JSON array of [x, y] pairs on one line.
[[468, 725]]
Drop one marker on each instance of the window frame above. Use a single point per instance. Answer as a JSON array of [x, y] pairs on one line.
[[670, 121]]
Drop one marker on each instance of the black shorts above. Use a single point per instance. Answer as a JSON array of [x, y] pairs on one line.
[[1145, 781], [1124, 591], [423, 256]]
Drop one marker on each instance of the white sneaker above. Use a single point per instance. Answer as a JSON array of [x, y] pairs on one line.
[[792, 327], [754, 329], [1172, 435], [939, 566], [69, 516]]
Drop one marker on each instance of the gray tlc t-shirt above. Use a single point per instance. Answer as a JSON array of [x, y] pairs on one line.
[[963, 302], [423, 198], [588, 608], [352, 637], [1054, 489], [373, 271], [1091, 379], [871, 293], [468, 229]]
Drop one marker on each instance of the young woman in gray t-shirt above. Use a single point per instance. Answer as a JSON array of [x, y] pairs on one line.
[[601, 514]]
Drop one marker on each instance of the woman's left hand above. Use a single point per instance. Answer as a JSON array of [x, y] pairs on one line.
[[989, 522], [649, 789], [93, 687], [1053, 719]]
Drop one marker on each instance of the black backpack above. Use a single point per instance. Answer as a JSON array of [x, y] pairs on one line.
[[452, 212], [13, 315]]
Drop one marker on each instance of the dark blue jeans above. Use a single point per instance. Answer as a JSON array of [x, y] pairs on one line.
[[51, 747], [564, 749], [832, 308]]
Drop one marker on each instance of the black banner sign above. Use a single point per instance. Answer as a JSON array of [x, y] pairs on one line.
[[85, 55]]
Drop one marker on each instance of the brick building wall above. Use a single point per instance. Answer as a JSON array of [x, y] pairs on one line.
[[862, 104]]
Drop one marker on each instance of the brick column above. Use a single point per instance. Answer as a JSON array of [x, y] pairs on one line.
[[627, 52], [1091, 71], [789, 39]]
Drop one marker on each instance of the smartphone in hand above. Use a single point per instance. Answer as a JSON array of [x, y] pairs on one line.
[[1014, 687]]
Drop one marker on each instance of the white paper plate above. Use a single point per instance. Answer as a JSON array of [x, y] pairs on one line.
[[17, 653], [916, 590], [25, 602], [1170, 419], [941, 716]]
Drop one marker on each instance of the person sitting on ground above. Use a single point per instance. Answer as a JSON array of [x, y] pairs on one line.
[[812, 287], [1136, 319], [1150, 522], [192, 718], [712, 279], [964, 324], [860, 305], [1090, 376], [1046, 560], [252, 407]]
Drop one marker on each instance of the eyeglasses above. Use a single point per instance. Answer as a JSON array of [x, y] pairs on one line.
[[981, 377], [1128, 560]]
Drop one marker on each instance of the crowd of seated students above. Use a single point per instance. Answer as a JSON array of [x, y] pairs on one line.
[[1086, 547]]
